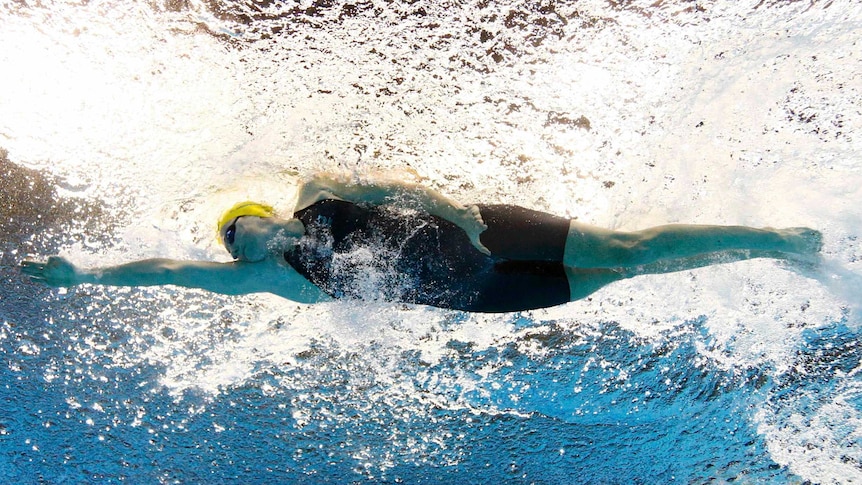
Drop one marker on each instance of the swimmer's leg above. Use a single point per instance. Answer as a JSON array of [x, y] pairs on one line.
[[593, 247], [522, 234], [700, 261], [584, 282]]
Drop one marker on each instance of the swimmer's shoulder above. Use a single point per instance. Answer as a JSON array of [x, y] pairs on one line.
[[276, 276], [301, 289], [320, 186]]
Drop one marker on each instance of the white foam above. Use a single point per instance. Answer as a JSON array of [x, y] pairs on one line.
[[689, 121]]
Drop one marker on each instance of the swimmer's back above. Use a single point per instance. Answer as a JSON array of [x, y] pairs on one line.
[[381, 252]]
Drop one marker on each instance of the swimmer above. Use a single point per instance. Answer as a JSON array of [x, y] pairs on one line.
[[403, 242]]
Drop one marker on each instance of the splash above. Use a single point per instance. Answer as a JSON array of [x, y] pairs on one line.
[[623, 114]]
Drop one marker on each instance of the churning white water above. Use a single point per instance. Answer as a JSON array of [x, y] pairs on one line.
[[620, 114]]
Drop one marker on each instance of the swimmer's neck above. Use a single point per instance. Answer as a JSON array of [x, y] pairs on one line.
[[282, 235], [293, 228]]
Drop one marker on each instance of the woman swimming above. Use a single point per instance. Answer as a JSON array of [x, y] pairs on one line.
[[406, 243]]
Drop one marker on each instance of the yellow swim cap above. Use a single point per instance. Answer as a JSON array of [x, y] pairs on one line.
[[247, 208]]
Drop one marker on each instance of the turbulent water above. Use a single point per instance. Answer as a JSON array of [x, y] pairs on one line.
[[127, 127]]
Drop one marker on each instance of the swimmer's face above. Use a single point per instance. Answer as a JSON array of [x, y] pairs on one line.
[[245, 238], [252, 239]]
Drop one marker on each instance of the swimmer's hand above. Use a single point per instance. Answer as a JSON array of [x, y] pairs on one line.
[[57, 271], [471, 222], [405, 194]]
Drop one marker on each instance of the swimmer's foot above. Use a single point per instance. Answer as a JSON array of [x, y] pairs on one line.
[[801, 241]]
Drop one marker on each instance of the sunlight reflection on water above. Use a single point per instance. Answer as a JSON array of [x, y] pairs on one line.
[[624, 116]]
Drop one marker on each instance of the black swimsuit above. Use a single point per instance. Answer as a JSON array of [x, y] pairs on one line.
[[381, 252]]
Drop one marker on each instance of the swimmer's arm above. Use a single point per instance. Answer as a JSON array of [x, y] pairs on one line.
[[233, 278], [58, 271], [415, 196]]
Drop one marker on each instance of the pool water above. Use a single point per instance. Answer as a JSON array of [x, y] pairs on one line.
[[127, 127]]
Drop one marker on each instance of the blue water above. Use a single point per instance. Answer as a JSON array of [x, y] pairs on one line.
[[641, 412], [129, 126]]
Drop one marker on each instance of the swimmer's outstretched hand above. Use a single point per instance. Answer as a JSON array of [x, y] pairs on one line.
[[802, 241], [57, 271], [474, 226]]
